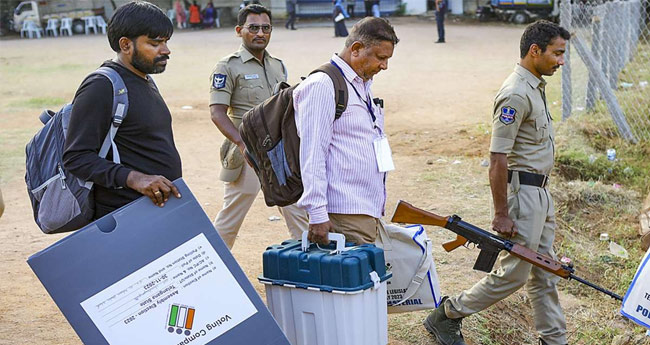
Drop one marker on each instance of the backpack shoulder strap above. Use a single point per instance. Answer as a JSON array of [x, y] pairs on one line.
[[119, 111], [340, 87]]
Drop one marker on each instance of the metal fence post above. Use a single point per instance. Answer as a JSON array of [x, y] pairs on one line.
[[613, 53], [565, 21], [618, 41], [596, 34], [635, 27], [605, 38], [623, 22], [608, 94]]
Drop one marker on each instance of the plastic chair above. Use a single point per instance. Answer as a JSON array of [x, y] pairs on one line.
[[66, 25], [101, 24], [52, 25], [31, 29], [89, 23], [25, 28]]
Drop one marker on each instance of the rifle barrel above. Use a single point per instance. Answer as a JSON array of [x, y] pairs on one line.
[[590, 284]]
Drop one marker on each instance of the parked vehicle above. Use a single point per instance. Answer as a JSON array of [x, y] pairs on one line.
[[519, 11], [41, 11]]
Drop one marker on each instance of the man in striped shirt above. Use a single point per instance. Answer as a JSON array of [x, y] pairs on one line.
[[343, 161]]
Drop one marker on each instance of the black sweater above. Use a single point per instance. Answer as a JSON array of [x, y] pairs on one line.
[[144, 140]]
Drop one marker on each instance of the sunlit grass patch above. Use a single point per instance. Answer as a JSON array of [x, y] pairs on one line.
[[39, 102]]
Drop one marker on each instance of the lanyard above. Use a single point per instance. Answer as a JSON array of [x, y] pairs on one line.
[[367, 102]]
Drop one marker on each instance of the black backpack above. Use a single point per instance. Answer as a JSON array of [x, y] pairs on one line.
[[272, 143], [61, 201]]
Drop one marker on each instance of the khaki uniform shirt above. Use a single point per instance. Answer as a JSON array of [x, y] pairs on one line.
[[522, 126], [241, 81]]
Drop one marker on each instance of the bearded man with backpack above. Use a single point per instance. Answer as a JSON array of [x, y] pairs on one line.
[[344, 161], [239, 82], [148, 160]]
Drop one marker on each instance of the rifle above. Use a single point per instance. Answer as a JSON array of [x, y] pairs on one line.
[[489, 244]]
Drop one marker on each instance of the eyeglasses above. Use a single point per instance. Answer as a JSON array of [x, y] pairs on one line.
[[254, 28]]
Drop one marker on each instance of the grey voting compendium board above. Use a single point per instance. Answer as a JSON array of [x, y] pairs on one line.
[[160, 276]]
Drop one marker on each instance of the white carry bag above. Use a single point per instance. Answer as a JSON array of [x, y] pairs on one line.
[[414, 285], [636, 303]]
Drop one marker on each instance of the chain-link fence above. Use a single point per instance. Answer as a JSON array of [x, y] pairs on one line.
[[607, 68]]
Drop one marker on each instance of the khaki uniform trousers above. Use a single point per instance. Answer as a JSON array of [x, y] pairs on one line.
[[357, 228], [531, 209], [238, 196]]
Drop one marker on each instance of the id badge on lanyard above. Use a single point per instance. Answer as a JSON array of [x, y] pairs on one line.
[[383, 154]]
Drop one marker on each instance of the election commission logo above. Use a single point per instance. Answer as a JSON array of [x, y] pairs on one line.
[[180, 318], [507, 115]]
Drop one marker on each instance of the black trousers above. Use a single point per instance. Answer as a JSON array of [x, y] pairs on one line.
[[440, 22], [368, 8]]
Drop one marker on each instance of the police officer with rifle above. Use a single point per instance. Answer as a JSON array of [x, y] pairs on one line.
[[521, 158]]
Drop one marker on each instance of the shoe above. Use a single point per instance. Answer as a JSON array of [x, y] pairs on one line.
[[447, 331], [440, 41], [293, 28]]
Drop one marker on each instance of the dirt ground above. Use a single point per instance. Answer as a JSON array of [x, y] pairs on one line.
[[438, 101]]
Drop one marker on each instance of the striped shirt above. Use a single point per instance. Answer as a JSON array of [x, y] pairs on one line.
[[337, 158]]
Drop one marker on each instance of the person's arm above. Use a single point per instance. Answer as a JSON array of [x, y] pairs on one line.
[[222, 85], [314, 107], [499, 187], [509, 113], [219, 116], [89, 124]]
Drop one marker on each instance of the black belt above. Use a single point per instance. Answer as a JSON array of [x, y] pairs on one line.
[[530, 179]]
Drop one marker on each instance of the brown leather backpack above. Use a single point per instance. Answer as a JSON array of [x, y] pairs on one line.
[[272, 143]]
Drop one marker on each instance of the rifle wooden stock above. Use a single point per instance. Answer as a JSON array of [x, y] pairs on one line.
[[409, 214]]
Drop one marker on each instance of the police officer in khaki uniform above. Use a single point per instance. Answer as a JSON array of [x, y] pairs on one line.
[[521, 158], [239, 82]]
